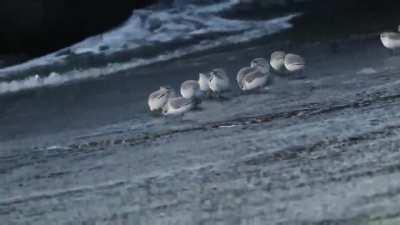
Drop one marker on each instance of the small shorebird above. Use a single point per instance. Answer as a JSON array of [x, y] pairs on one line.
[[277, 62], [190, 89], [294, 64], [177, 106], [391, 41], [242, 73], [253, 77], [219, 82], [204, 83], [37, 77], [254, 80], [261, 64], [159, 98]]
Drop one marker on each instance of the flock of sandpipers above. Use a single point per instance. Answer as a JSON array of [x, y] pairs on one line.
[[215, 83], [254, 77]]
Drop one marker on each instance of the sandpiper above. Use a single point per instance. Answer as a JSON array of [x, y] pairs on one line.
[[219, 81], [254, 80], [177, 106], [253, 77], [204, 84], [391, 41], [242, 73], [190, 89], [277, 62], [159, 98], [261, 64], [294, 64]]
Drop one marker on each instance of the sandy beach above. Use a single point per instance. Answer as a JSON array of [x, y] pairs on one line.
[[319, 150]]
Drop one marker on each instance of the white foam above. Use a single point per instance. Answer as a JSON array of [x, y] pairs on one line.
[[146, 27], [149, 27], [266, 27], [57, 147], [367, 71]]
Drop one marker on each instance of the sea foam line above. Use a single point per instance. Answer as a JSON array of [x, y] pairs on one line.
[[55, 79]]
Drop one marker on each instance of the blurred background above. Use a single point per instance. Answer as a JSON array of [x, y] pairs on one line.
[[31, 28]]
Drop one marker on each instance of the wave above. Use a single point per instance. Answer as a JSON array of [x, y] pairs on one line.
[[200, 25]]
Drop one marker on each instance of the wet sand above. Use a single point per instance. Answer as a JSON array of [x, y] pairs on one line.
[[319, 150]]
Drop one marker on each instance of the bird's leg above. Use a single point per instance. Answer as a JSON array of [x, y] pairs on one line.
[[209, 94], [197, 103], [219, 96], [212, 95]]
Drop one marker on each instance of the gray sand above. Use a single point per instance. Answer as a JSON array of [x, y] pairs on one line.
[[319, 150]]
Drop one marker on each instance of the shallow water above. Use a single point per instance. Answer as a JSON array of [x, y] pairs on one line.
[[150, 35]]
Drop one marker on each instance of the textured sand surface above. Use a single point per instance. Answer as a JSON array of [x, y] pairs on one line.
[[319, 150]]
